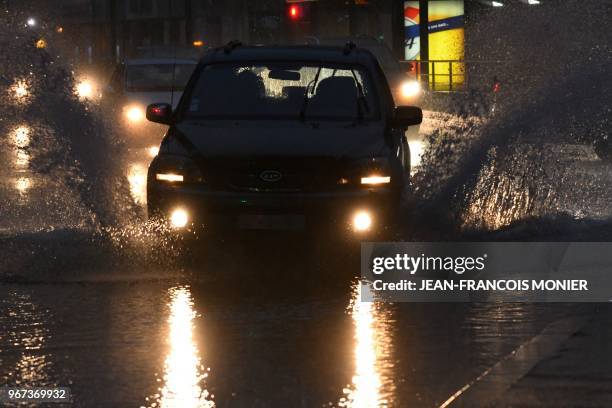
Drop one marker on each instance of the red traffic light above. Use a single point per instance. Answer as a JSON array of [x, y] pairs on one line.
[[294, 12]]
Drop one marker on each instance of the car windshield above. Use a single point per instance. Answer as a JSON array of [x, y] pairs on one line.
[[158, 77], [282, 90]]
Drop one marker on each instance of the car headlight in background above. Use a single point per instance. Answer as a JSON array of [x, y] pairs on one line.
[[85, 89], [134, 114], [410, 89]]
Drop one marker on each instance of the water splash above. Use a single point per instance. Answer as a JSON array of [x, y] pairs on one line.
[[498, 169], [66, 166]]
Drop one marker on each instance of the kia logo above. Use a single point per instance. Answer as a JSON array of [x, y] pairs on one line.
[[271, 176]]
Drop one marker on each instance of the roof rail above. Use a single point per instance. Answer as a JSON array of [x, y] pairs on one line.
[[349, 47], [229, 47]]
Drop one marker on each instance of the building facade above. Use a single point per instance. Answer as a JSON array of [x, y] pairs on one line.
[[103, 32]]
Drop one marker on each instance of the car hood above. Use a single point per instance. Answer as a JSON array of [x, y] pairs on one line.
[[147, 98], [235, 139]]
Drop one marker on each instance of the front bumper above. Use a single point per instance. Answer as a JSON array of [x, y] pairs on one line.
[[273, 210]]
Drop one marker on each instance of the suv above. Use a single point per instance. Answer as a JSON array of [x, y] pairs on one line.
[[283, 138]]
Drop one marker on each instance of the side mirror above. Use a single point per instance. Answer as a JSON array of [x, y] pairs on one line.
[[404, 116], [160, 113]]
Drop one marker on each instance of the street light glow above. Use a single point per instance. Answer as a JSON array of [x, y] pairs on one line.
[[31, 22]]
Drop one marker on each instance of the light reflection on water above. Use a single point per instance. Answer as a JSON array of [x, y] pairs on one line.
[[20, 91], [22, 185], [137, 177], [184, 373], [416, 150], [21, 136], [28, 337], [371, 382], [22, 159]]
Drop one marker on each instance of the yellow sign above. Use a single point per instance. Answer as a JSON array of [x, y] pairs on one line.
[[446, 44]]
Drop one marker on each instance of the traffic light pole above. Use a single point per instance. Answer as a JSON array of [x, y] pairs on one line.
[[424, 28]]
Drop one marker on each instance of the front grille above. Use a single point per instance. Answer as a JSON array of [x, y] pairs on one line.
[[251, 180], [296, 174]]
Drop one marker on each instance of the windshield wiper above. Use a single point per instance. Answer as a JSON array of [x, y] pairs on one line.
[[362, 102], [312, 84]]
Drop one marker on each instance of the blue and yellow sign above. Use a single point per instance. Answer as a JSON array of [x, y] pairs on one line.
[[446, 40]]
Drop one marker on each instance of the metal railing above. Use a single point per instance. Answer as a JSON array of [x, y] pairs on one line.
[[451, 75]]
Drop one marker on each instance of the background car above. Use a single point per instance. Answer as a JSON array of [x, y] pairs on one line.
[[136, 83]]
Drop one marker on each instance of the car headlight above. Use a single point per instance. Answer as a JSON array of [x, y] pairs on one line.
[[179, 218], [375, 180], [362, 221], [410, 89], [368, 172], [171, 177], [134, 114], [172, 169], [374, 171], [85, 89]]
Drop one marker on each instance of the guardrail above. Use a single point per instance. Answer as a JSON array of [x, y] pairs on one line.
[[452, 75]]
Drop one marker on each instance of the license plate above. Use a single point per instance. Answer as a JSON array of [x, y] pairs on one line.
[[271, 222]]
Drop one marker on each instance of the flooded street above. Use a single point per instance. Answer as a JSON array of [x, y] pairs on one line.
[[193, 344], [127, 320]]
